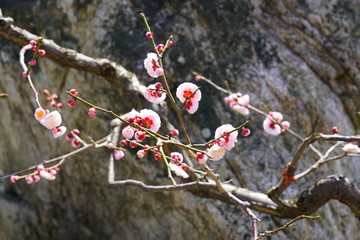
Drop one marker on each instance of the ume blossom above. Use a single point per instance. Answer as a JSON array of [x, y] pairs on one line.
[[273, 124], [146, 118], [152, 65], [51, 120], [238, 102], [190, 95], [225, 142], [153, 93]]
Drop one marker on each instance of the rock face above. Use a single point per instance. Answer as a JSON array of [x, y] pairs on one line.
[[297, 57]]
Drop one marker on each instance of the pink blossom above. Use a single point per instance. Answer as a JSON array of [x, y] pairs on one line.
[[174, 133], [245, 132], [152, 94], [240, 109], [71, 103], [32, 62], [216, 152], [276, 115], [140, 136], [14, 178], [47, 175], [285, 125], [128, 132], [201, 158], [92, 111], [51, 120], [177, 156], [118, 154], [238, 102], [58, 132], [41, 52], [32, 43], [191, 106], [36, 178], [150, 120], [152, 65], [75, 143], [335, 130], [148, 35], [230, 139], [123, 143], [272, 127], [40, 168], [52, 171], [157, 156], [29, 179], [186, 89], [159, 71], [160, 48], [244, 100], [141, 154], [39, 114], [350, 147], [132, 115], [178, 170], [190, 93]]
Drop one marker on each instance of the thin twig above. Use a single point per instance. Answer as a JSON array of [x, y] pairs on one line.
[[211, 83], [289, 224], [65, 156], [25, 69]]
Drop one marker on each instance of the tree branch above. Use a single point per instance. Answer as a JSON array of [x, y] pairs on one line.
[[332, 187], [289, 172], [111, 71]]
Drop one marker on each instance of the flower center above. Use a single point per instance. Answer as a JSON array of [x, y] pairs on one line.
[[187, 93], [148, 122], [154, 65]]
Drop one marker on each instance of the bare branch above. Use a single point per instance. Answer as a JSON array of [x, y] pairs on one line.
[[290, 169], [111, 71], [332, 187], [289, 224]]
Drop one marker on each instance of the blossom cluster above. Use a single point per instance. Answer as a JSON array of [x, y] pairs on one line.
[[224, 142], [153, 93], [238, 102], [46, 173], [52, 98], [177, 166], [38, 51], [50, 120], [72, 137], [274, 125], [146, 118]]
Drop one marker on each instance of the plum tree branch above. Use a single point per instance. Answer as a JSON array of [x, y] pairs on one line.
[[289, 172], [111, 71], [307, 202]]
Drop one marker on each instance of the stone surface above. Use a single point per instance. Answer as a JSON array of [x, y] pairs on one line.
[[297, 57]]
